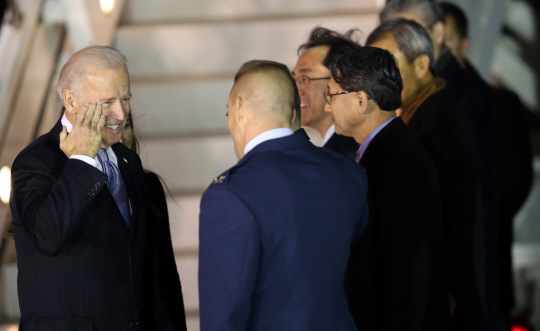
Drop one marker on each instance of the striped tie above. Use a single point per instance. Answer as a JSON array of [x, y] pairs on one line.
[[115, 183]]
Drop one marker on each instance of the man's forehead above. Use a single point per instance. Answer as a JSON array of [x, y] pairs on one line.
[[311, 58]]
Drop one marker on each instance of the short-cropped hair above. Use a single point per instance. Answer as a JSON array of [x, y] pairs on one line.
[[73, 73], [428, 11], [255, 66], [339, 44], [372, 70], [462, 25], [412, 39]]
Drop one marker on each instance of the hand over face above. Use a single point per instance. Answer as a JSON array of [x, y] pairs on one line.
[[85, 137]]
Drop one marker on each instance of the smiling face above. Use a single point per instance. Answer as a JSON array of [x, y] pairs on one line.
[[109, 88], [310, 64]]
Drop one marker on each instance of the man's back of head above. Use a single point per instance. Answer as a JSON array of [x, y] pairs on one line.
[[264, 97]]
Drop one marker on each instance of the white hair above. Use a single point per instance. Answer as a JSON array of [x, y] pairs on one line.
[[73, 73]]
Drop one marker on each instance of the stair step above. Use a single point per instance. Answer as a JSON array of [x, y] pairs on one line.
[[210, 49], [151, 12]]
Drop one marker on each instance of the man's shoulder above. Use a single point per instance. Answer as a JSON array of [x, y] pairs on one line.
[[394, 147], [43, 147]]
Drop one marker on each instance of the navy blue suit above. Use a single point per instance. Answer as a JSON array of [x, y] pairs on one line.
[[275, 233]]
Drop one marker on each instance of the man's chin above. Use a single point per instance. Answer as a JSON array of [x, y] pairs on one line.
[[106, 143]]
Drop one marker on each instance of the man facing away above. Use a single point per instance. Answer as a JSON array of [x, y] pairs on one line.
[[395, 279], [275, 229], [79, 218], [311, 74]]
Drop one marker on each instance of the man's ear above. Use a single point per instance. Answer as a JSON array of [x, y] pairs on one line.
[[70, 101], [240, 108], [362, 98], [421, 66]]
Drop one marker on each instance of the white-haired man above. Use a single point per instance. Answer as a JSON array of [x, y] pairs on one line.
[[79, 215]]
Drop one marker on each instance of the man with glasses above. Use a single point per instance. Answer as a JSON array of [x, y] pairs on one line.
[[312, 76], [395, 278]]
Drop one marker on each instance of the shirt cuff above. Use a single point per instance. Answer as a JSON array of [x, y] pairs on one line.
[[87, 159]]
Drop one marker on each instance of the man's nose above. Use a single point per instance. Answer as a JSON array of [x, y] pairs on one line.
[[118, 111]]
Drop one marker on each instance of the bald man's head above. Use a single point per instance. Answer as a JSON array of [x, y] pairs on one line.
[[264, 97], [270, 88]]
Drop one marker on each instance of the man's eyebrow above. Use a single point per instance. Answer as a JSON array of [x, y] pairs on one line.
[[305, 70]]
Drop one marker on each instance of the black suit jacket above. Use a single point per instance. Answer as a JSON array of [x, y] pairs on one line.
[[395, 279], [165, 296], [448, 137], [80, 266], [515, 174], [343, 145]]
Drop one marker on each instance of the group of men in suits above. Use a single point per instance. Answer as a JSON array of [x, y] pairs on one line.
[[293, 237], [425, 132]]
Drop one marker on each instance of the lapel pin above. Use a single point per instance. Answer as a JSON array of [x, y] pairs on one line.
[[218, 180], [125, 160]]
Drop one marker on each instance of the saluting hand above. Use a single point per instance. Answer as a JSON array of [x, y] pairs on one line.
[[85, 137]]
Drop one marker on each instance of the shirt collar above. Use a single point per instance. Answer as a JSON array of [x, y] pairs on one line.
[[267, 135], [65, 122], [365, 145], [331, 130]]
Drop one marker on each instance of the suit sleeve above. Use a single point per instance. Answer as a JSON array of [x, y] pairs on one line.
[[49, 202], [228, 260]]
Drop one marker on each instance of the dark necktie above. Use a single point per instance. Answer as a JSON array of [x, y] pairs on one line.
[[115, 183], [358, 156]]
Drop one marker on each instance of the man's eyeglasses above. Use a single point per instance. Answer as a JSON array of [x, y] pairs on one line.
[[328, 96], [303, 80]]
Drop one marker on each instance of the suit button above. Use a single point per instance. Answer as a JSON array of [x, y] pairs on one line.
[[134, 324], [133, 282], [97, 184], [91, 194]]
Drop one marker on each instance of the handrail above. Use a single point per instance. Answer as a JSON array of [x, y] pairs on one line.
[[11, 91]]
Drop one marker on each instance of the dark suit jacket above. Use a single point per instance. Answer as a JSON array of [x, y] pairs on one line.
[[450, 141], [80, 267], [395, 279], [165, 296], [515, 173], [343, 145], [275, 232]]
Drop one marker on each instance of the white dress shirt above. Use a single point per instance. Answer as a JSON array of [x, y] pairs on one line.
[[331, 130], [267, 135]]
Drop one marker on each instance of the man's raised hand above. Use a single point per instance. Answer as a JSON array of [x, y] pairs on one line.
[[85, 137]]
